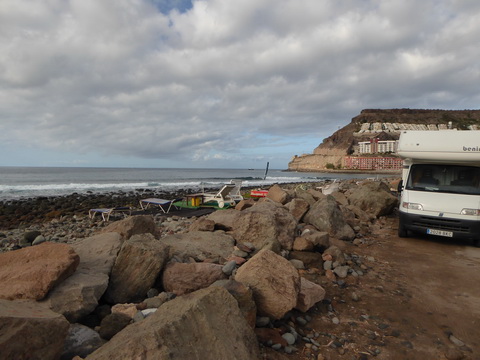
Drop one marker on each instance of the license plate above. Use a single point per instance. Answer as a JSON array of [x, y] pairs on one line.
[[440, 232]]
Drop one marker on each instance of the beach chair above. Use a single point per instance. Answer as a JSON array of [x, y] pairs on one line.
[[106, 212], [221, 197], [163, 204], [235, 193]]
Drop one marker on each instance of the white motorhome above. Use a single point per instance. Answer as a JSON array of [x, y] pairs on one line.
[[440, 189]]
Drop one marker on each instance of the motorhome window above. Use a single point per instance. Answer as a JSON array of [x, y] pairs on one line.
[[444, 178]]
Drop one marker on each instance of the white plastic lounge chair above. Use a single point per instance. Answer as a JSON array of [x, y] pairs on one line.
[[163, 204], [235, 193], [221, 197], [106, 212]]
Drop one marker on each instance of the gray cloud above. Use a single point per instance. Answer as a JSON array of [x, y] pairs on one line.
[[210, 80]]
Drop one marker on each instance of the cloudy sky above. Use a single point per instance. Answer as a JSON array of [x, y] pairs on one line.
[[219, 83]]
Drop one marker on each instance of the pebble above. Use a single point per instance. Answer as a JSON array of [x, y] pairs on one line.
[[336, 320], [289, 338], [456, 341], [229, 267], [341, 271], [39, 239], [148, 312], [301, 321], [262, 321]]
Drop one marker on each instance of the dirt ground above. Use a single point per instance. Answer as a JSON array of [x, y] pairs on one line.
[[420, 299]]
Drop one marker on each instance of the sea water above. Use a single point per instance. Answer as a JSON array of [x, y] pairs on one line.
[[27, 182]]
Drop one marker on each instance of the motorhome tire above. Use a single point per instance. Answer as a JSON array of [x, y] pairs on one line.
[[402, 232], [476, 243]]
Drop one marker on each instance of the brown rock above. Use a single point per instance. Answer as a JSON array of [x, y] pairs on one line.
[[274, 280], [277, 194], [302, 244], [326, 216], [29, 330], [244, 297], [225, 219], [30, 273], [200, 245], [238, 260], [180, 278], [126, 309], [133, 225], [266, 224], [244, 204], [340, 197], [206, 324], [298, 208], [330, 275], [374, 197], [310, 293], [138, 264], [202, 224], [78, 295], [112, 324]]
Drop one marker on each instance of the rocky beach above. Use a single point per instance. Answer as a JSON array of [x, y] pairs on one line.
[[272, 278]]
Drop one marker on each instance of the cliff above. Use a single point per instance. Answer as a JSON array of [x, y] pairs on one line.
[[385, 124]]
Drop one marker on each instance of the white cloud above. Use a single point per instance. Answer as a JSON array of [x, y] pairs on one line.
[[217, 82]]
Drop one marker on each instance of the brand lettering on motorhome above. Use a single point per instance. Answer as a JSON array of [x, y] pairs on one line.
[[473, 148]]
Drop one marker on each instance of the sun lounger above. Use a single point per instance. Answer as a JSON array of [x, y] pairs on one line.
[[235, 193], [106, 212], [163, 204], [221, 197]]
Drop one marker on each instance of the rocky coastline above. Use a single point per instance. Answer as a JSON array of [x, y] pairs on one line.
[[134, 287]]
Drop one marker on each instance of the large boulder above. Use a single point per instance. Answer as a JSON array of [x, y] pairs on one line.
[[180, 278], [277, 194], [200, 245], [206, 324], [225, 219], [30, 273], [298, 207], [326, 215], [265, 224], [78, 295], [133, 225], [244, 297], [29, 330], [373, 197], [275, 283], [136, 268]]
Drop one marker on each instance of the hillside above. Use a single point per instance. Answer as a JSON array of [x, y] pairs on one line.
[[385, 124]]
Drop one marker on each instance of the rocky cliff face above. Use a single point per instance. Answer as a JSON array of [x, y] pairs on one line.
[[332, 150]]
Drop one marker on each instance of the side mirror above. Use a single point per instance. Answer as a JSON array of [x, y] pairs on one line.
[[400, 186]]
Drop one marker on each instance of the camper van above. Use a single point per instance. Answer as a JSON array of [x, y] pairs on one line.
[[440, 188]]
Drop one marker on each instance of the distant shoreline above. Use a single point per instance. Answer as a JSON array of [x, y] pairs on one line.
[[344, 171]]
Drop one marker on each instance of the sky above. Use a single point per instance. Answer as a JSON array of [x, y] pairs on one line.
[[218, 83]]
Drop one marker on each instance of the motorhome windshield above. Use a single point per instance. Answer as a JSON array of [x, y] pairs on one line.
[[444, 178]]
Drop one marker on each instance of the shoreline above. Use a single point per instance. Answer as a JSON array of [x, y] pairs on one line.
[[25, 212]]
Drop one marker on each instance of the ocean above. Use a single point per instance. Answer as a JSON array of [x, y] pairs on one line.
[[28, 182]]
